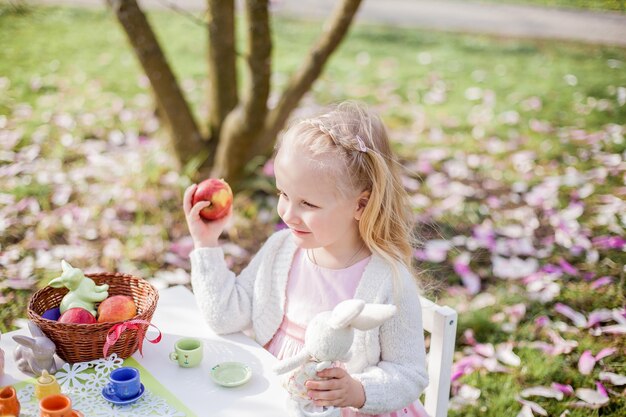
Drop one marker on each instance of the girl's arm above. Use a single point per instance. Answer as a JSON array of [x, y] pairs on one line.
[[225, 299], [401, 375]]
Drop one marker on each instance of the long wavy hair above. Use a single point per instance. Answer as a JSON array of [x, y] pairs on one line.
[[358, 140]]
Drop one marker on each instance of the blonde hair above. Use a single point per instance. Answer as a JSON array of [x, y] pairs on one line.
[[358, 140]]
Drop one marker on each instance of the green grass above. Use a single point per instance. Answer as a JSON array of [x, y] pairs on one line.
[[75, 61], [596, 5]]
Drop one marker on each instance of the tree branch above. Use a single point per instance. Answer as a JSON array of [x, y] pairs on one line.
[[302, 80], [221, 59], [186, 137], [244, 123], [259, 61]]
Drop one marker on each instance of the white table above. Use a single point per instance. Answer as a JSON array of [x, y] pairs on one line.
[[177, 315]]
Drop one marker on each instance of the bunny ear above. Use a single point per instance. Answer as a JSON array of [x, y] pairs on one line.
[[65, 265], [25, 341], [373, 315], [34, 330], [57, 282], [345, 312]]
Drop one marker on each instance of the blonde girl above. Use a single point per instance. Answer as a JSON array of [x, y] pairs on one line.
[[348, 236]]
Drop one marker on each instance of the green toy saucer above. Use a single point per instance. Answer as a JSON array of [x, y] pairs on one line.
[[231, 374]]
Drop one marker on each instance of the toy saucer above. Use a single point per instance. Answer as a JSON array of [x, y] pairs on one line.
[[231, 374], [114, 399]]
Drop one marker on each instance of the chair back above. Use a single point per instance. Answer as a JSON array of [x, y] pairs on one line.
[[440, 322]]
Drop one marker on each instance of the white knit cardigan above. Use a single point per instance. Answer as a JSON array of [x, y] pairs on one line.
[[389, 361]]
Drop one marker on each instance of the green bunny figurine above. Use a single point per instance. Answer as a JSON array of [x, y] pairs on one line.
[[83, 293]]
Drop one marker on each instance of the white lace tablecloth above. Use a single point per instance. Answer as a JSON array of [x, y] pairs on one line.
[[83, 383]]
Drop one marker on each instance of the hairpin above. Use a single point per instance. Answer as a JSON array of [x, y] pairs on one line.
[[362, 146]]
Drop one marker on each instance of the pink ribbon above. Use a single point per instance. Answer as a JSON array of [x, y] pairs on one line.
[[116, 331]]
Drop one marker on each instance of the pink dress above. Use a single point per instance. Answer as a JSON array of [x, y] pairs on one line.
[[312, 289]]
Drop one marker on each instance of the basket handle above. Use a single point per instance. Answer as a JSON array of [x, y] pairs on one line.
[[116, 331]]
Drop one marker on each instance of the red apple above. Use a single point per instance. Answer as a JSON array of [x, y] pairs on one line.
[[220, 195], [77, 315], [116, 308]]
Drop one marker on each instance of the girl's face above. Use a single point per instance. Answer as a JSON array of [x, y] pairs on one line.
[[311, 204]]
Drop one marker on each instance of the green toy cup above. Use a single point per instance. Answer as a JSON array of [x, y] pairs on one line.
[[187, 352]]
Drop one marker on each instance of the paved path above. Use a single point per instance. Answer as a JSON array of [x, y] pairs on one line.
[[449, 15]]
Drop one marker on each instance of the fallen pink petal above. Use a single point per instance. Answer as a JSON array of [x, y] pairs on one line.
[[565, 389], [591, 396], [604, 353], [613, 378], [540, 391], [536, 408], [577, 318], [586, 363]]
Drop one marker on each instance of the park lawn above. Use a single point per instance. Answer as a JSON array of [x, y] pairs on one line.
[[595, 5], [71, 88]]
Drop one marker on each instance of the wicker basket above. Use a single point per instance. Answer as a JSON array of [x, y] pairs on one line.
[[84, 342]]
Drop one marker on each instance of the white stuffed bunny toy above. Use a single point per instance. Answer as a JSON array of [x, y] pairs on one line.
[[328, 339]]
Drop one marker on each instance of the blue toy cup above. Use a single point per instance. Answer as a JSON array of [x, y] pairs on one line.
[[124, 383]]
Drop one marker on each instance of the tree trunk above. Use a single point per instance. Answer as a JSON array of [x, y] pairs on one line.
[[186, 137], [246, 122], [243, 130], [221, 57]]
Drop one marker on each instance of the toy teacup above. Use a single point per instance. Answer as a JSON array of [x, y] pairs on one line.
[[58, 405], [124, 383], [187, 352]]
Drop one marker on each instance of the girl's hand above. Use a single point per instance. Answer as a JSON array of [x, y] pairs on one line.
[[203, 232], [339, 390]]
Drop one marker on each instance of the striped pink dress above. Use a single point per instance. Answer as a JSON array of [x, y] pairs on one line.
[[312, 289]]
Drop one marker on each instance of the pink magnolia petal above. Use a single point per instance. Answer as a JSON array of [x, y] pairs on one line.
[[599, 316], [600, 282], [542, 321], [436, 250], [586, 363], [541, 391], [567, 267], [613, 378], [485, 349], [605, 352], [470, 280], [505, 354], [619, 315], [466, 396], [615, 329], [561, 345], [584, 404], [468, 334], [592, 396], [601, 389], [492, 365], [536, 408], [525, 412], [565, 389], [578, 319]]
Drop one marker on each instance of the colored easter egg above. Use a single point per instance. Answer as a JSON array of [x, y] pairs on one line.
[[52, 314]]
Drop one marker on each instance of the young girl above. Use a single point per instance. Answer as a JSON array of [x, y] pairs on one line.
[[348, 236]]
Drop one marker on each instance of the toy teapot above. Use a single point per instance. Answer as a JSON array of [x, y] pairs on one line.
[[83, 293], [46, 385], [34, 354]]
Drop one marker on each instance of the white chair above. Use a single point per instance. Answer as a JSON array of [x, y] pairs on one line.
[[440, 322]]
